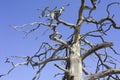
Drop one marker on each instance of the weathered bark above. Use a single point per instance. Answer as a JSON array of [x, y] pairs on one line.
[[75, 64], [75, 60], [75, 57]]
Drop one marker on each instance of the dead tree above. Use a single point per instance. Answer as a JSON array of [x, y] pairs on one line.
[[78, 47]]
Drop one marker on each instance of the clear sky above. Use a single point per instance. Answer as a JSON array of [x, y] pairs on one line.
[[12, 42]]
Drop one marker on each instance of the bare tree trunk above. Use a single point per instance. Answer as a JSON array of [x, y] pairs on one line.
[[75, 64], [75, 60]]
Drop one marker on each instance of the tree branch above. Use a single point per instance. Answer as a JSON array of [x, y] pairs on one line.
[[66, 23], [49, 60], [113, 23], [37, 75], [80, 13], [58, 39], [93, 2], [63, 69], [95, 48], [14, 66], [103, 74]]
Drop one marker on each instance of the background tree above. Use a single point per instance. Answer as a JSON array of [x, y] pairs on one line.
[[77, 48]]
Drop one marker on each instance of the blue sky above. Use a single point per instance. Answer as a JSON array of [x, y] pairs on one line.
[[12, 42]]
